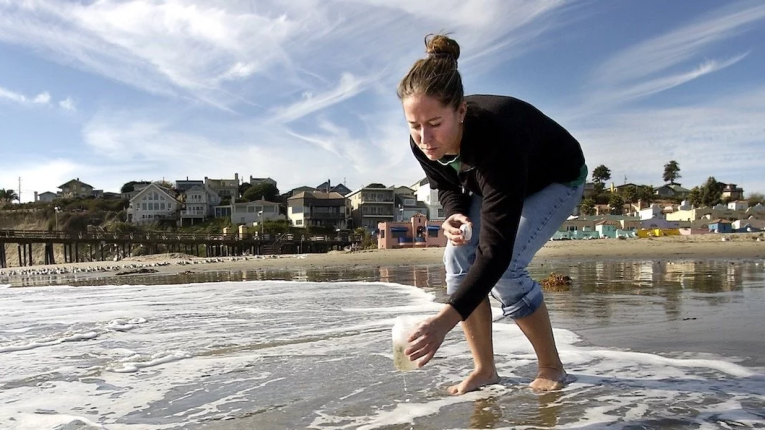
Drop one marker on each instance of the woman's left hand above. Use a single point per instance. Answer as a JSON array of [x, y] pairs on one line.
[[430, 334]]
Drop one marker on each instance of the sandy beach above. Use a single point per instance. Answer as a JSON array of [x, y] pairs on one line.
[[733, 247]]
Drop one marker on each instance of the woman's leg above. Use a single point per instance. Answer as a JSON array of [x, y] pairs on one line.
[[477, 327], [521, 296]]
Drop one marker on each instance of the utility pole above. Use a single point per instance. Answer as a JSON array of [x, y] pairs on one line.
[[19, 193]]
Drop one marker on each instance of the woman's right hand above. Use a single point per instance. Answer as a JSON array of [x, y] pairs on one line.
[[451, 228]]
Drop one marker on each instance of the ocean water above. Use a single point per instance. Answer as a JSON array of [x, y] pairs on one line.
[[651, 345]]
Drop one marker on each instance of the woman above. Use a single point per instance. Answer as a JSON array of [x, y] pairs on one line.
[[513, 175]]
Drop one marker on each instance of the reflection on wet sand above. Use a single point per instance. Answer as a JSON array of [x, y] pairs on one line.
[[534, 410], [609, 284], [603, 294]]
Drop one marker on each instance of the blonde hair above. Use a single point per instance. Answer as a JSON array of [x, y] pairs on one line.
[[435, 75]]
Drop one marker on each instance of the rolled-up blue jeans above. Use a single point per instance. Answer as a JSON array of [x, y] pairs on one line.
[[543, 213]]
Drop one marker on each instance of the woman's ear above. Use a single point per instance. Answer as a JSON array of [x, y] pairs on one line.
[[462, 111]]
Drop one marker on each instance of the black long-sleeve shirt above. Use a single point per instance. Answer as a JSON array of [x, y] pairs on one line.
[[509, 150]]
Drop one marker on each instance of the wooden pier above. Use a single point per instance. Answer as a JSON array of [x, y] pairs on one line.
[[82, 247]]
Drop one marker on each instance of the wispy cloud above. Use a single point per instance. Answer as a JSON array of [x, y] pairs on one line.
[[311, 83], [652, 86], [719, 137], [348, 87], [184, 48], [634, 72], [162, 48], [67, 104], [40, 99], [140, 146]]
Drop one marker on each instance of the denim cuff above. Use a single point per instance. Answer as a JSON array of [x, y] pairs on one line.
[[525, 306]]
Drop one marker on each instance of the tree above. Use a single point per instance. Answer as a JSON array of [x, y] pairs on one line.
[[164, 184], [243, 187], [694, 197], [616, 203], [645, 194], [129, 187], [8, 196], [630, 194], [601, 174], [755, 198], [587, 207], [599, 186], [671, 172], [711, 192], [263, 191]]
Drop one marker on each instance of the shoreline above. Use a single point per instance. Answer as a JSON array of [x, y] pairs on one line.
[[734, 247]]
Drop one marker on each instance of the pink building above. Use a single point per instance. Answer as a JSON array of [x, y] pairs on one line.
[[417, 233]]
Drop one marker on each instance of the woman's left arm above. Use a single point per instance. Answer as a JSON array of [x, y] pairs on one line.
[[503, 188], [503, 191]]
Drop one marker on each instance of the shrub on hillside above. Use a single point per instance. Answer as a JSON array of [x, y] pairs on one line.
[[124, 227]]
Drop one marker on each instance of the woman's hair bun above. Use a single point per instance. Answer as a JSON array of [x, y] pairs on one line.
[[440, 45]]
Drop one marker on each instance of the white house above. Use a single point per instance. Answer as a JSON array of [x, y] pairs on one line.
[[200, 199], [151, 204], [425, 194], [749, 224], [651, 212], [137, 187], [738, 205], [251, 213]]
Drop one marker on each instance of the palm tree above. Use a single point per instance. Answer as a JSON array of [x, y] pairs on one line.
[[8, 196]]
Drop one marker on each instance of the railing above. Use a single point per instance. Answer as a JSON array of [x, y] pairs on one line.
[[43, 235], [193, 213], [326, 216]]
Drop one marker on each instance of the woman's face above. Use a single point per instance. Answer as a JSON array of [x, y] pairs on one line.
[[435, 128]]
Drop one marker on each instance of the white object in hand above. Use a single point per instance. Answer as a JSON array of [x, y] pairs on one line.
[[467, 231], [402, 329]]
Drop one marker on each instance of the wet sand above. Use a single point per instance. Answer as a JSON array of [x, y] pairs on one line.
[[733, 247], [699, 299]]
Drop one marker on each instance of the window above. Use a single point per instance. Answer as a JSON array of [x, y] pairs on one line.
[[251, 209], [397, 234], [382, 234], [432, 232], [162, 206], [299, 222], [143, 206], [156, 196], [297, 209], [441, 213]]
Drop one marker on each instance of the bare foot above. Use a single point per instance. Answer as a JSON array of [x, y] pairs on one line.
[[474, 381], [549, 379]]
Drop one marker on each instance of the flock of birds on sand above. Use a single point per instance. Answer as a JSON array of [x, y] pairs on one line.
[[105, 268]]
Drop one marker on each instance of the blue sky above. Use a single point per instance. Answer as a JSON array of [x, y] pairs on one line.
[[304, 90]]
